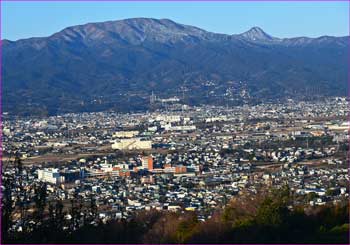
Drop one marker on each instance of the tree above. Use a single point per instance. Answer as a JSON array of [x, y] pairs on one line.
[[186, 228], [311, 196], [40, 193], [7, 205]]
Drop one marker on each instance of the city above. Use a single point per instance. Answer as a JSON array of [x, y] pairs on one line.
[[175, 122], [184, 159]]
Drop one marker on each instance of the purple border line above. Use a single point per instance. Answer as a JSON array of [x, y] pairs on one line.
[[348, 153], [174, 1], [1, 118], [0, 121]]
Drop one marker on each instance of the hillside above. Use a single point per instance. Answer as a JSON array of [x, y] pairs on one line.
[[117, 64]]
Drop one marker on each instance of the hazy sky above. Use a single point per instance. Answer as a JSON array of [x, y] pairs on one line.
[[280, 19]]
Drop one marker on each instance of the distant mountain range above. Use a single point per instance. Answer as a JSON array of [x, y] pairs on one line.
[[118, 64]]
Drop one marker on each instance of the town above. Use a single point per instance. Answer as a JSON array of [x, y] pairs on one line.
[[179, 158]]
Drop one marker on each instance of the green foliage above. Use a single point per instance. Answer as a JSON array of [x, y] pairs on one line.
[[272, 213], [185, 229], [332, 192], [311, 196]]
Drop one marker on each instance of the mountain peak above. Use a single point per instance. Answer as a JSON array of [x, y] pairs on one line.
[[256, 34], [133, 30], [131, 58], [256, 29]]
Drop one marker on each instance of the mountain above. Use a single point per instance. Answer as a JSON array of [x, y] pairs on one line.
[[118, 64], [257, 34]]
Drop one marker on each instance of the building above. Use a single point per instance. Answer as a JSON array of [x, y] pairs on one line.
[[183, 128], [104, 170], [180, 169], [71, 175], [132, 144], [147, 162], [125, 134], [50, 175], [147, 180], [168, 118]]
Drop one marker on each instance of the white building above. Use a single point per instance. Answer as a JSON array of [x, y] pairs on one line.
[[125, 134], [168, 118], [183, 128], [50, 175], [132, 144]]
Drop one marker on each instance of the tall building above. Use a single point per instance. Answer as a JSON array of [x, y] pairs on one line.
[[50, 175], [147, 162]]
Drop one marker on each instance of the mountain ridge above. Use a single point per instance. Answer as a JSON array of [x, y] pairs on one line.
[[118, 63], [252, 29]]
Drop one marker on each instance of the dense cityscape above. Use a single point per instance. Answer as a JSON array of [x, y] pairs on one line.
[[175, 123], [179, 159]]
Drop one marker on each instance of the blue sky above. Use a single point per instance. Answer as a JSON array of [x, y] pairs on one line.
[[280, 19]]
